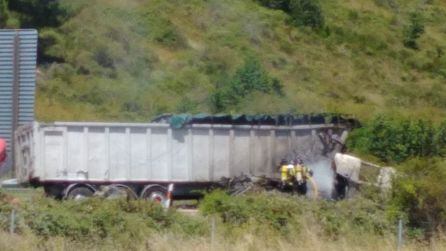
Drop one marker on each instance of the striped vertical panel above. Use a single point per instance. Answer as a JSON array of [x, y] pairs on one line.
[[18, 56]]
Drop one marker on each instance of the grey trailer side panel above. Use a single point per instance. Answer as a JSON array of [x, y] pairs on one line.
[[99, 155], [75, 153], [118, 152], [119, 166], [139, 166], [220, 154], [53, 155], [179, 156], [160, 157], [201, 154], [241, 152], [260, 151]]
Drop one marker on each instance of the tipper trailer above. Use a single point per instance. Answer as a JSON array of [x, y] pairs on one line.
[[75, 159]]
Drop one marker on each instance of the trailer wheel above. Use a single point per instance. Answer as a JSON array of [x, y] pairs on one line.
[[54, 191], [78, 192], [155, 193], [120, 191]]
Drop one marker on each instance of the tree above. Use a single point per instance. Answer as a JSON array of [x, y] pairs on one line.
[[395, 140], [306, 13], [3, 13], [276, 4], [302, 12], [38, 13], [413, 31], [249, 78]]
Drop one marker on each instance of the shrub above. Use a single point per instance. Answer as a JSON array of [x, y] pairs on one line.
[[413, 31], [306, 13], [128, 224], [419, 194], [162, 31], [394, 140], [276, 4], [39, 13], [3, 13], [288, 214], [262, 212], [125, 224], [302, 12], [251, 77], [5, 210]]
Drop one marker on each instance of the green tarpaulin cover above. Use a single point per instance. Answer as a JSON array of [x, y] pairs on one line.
[[180, 120]]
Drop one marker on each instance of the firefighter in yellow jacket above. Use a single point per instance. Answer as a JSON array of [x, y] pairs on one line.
[[294, 176], [301, 175], [287, 174]]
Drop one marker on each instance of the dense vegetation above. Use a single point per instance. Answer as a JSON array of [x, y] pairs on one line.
[[397, 140], [116, 60], [419, 196], [417, 148], [130, 60], [263, 221], [128, 224]]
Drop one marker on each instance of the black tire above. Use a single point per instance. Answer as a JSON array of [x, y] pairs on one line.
[[157, 194], [79, 193], [54, 191]]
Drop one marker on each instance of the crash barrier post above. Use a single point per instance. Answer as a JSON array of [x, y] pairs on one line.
[[400, 235], [169, 195], [212, 232], [12, 222]]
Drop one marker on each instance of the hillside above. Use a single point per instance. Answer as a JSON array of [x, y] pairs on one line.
[[130, 60], [383, 61]]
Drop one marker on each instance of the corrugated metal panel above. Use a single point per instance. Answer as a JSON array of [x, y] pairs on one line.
[[18, 54], [127, 152]]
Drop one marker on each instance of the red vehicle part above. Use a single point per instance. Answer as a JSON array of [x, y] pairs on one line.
[[2, 150]]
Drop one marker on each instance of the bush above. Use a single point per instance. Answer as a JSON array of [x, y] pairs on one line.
[[419, 194], [5, 211], [413, 31], [276, 4], [302, 12], [306, 13], [251, 77], [395, 140], [127, 223], [3, 13], [291, 214], [237, 211], [39, 14]]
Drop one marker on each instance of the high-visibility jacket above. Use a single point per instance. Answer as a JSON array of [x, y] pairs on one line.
[[287, 173], [301, 172]]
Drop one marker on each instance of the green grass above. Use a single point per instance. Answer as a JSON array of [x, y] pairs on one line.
[[130, 61], [112, 60], [257, 221]]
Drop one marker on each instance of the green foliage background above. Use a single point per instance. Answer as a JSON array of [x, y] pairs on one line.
[[128, 224], [113, 60], [395, 140], [130, 60], [418, 196]]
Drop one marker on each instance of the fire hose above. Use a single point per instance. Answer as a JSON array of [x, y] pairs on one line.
[[315, 191]]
